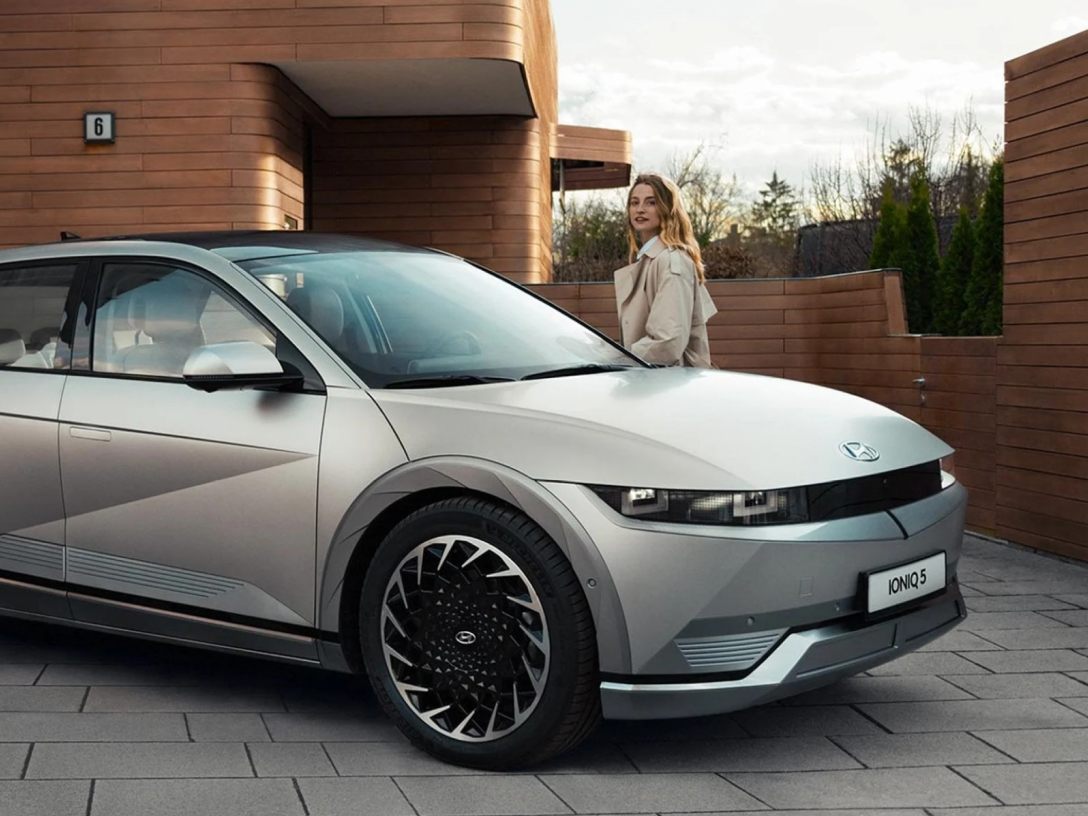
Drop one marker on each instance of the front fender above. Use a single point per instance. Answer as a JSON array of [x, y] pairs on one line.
[[506, 485]]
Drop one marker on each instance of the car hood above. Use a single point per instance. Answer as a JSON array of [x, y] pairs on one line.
[[669, 428]]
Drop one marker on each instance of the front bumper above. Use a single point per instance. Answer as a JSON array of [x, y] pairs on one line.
[[802, 661], [688, 604]]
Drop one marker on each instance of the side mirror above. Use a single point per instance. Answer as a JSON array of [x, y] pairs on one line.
[[237, 365]]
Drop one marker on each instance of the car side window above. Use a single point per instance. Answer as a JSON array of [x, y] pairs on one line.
[[32, 300], [151, 317]]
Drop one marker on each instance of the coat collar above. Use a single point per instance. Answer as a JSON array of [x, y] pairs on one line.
[[655, 249]]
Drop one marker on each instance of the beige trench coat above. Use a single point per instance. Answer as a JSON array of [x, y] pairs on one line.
[[664, 309]]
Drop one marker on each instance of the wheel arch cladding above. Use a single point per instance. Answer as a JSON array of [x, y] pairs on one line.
[[413, 485]]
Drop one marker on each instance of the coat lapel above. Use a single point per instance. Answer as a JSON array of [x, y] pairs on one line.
[[626, 278]]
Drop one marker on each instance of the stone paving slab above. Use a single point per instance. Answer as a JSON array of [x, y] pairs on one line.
[[973, 715], [53, 727], [878, 788], [184, 699], [920, 750], [763, 754], [649, 793], [331, 727], [1049, 660], [1014, 603], [44, 798], [1010, 810], [928, 663], [780, 721], [12, 759], [1023, 619], [19, 674], [480, 795], [166, 760], [1066, 637], [1076, 703], [227, 728], [1043, 745], [1072, 617], [291, 759], [998, 708], [35, 698], [91, 674], [1040, 783], [1055, 586], [892, 689], [196, 797], [851, 812], [1008, 686], [959, 640]]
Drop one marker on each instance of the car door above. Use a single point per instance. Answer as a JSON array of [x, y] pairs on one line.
[[188, 513], [35, 335]]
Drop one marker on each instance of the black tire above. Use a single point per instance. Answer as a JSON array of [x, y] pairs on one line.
[[560, 715]]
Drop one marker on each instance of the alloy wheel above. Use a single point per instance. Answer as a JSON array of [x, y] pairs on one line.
[[465, 638]]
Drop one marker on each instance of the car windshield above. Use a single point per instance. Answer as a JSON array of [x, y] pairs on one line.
[[415, 318]]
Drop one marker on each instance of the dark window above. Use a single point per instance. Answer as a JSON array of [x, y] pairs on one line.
[[152, 317], [32, 301]]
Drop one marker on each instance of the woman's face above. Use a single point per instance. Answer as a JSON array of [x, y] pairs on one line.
[[642, 212]]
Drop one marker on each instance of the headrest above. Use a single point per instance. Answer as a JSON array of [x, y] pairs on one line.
[[168, 309], [321, 308], [12, 346], [43, 336]]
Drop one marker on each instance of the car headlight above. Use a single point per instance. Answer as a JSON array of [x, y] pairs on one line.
[[785, 506]]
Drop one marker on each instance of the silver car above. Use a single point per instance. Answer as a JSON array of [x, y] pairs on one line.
[[386, 460]]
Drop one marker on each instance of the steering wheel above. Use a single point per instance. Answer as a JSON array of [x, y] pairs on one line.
[[440, 342]]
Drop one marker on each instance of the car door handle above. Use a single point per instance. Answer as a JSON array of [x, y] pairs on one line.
[[94, 434]]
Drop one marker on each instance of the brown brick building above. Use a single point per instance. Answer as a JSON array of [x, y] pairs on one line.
[[426, 121]]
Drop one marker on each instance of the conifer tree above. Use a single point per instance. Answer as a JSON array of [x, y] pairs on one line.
[[983, 297], [921, 257], [889, 233], [953, 276]]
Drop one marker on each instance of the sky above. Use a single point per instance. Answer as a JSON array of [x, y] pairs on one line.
[[779, 85]]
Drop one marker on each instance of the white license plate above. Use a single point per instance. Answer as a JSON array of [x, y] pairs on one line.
[[900, 585]]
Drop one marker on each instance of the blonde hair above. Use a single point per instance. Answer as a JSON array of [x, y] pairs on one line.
[[676, 229]]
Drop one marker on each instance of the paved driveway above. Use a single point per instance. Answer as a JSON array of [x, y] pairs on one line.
[[989, 720]]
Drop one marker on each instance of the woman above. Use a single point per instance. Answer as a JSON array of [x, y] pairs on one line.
[[662, 300]]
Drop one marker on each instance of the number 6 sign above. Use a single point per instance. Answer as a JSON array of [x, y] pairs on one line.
[[98, 127]]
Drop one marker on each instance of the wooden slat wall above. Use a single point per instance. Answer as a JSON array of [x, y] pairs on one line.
[[542, 72], [228, 159], [832, 330], [467, 185], [593, 144], [1042, 361], [960, 407], [846, 332]]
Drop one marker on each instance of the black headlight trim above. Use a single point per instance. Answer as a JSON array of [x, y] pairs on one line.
[[820, 502]]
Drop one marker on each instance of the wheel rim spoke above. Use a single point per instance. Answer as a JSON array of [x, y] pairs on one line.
[[468, 644]]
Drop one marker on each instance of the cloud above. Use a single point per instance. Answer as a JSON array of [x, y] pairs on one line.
[[1069, 25], [770, 114]]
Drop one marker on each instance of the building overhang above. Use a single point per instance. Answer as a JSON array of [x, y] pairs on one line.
[[414, 87], [585, 158]]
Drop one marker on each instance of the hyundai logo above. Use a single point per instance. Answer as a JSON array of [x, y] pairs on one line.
[[465, 638], [858, 452]]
